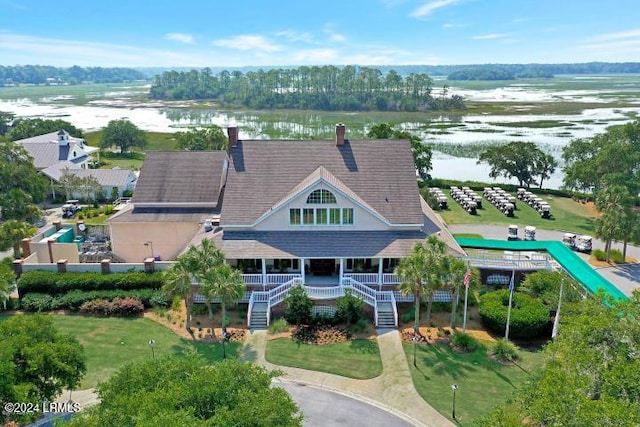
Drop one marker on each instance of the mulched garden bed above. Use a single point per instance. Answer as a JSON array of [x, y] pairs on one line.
[[320, 335]]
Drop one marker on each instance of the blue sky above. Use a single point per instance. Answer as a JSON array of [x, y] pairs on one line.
[[233, 33]]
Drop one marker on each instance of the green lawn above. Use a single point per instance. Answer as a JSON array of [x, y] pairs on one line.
[[157, 141], [566, 215], [359, 359], [111, 342], [483, 383]]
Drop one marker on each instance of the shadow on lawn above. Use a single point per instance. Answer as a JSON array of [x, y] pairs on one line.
[[364, 346], [439, 358]]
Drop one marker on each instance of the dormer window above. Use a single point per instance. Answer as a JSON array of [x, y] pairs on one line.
[[321, 197]]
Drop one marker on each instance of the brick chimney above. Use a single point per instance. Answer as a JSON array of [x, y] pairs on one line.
[[340, 130], [232, 132]]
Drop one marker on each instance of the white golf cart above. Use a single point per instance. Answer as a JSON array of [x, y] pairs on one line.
[[584, 244], [569, 239], [529, 232], [513, 233]]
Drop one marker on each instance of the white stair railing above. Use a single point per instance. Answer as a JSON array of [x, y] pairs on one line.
[[251, 301]]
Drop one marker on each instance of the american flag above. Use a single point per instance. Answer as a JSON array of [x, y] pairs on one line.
[[467, 277]]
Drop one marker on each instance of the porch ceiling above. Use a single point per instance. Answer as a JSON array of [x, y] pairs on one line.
[[318, 244]]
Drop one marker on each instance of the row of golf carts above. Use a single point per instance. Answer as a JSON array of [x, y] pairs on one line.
[[535, 202], [502, 200], [529, 233], [467, 198], [580, 243]]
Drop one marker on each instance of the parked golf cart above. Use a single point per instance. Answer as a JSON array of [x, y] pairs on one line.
[[529, 232], [513, 233], [70, 208], [584, 244], [569, 239]]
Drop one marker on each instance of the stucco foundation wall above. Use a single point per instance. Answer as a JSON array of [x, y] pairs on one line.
[[167, 238]]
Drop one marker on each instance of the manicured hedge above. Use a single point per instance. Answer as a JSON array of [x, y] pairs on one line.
[[121, 307], [54, 283], [529, 316], [35, 301]]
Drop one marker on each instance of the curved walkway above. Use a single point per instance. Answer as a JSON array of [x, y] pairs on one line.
[[392, 391]]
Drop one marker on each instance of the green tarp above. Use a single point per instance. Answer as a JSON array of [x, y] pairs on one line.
[[576, 267]]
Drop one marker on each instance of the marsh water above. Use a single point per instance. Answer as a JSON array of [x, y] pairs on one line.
[[549, 112]]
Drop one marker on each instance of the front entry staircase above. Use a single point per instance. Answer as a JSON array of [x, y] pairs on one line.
[[383, 302]]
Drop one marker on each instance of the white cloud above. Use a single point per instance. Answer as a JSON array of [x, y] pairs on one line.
[[428, 8], [492, 36], [449, 25], [296, 36], [180, 37], [18, 48], [618, 35], [248, 42], [334, 35]]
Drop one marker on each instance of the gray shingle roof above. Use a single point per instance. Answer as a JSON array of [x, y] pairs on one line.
[[263, 172], [106, 177], [46, 151], [326, 244], [181, 177]]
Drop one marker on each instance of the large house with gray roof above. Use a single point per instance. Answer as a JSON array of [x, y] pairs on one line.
[[56, 153], [327, 213]]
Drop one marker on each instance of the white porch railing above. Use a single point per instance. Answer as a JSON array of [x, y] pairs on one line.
[[324, 292], [390, 279], [365, 293], [364, 278], [252, 279], [279, 279]]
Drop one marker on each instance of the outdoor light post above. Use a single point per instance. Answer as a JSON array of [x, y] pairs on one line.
[[150, 245], [415, 345], [454, 387], [152, 344]]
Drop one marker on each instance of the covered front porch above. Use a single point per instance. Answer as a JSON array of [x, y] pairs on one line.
[[265, 273]]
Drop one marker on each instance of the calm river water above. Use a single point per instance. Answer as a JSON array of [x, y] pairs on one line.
[[92, 113]]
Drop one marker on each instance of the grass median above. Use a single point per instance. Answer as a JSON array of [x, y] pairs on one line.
[[482, 382], [359, 358]]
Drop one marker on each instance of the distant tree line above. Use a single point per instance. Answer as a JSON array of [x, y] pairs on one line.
[[523, 70], [46, 74], [330, 88], [492, 73]]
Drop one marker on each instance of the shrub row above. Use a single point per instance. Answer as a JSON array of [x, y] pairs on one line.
[[529, 316], [122, 307], [73, 300], [54, 283]]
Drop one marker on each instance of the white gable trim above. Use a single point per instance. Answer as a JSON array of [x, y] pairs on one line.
[[299, 190]]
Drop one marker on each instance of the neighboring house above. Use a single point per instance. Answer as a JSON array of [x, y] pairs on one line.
[[55, 152], [326, 213], [109, 179], [55, 147]]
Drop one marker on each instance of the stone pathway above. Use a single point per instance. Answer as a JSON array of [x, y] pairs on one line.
[[392, 391]]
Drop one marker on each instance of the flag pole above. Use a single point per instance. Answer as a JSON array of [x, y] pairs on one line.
[[556, 321], [511, 286]]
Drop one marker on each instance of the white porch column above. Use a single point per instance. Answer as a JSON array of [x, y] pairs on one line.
[[264, 273], [380, 273], [302, 269], [341, 270]]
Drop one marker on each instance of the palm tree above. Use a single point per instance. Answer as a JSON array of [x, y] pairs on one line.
[[226, 284], [179, 279], [12, 232], [412, 271], [456, 269], [436, 268]]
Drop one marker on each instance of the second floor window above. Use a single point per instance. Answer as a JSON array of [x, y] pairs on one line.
[[321, 196]]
